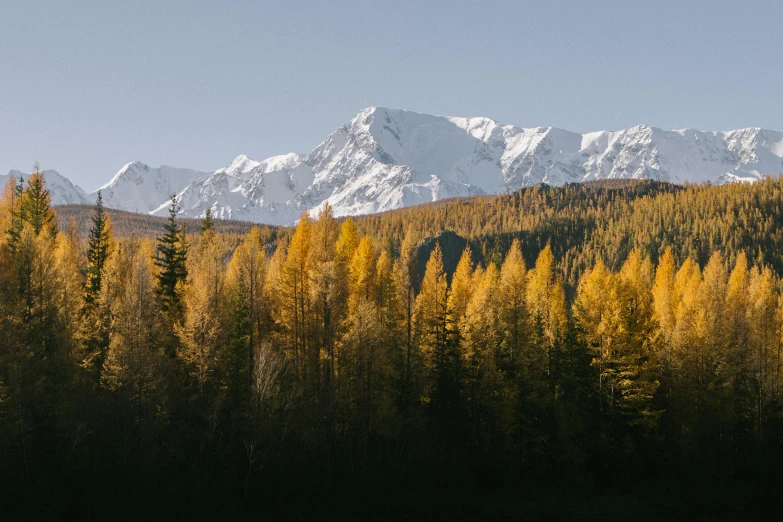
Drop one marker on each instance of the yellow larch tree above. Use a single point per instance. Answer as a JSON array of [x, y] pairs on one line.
[[461, 292], [515, 321], [430, 321]]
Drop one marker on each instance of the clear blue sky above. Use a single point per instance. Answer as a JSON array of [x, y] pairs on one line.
[[86, 87]]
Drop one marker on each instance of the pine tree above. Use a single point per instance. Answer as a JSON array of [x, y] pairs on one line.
[[95, 316], [236, 360], [10, 220], [206, 223], [98, 250], [171, 260], [35, 205]]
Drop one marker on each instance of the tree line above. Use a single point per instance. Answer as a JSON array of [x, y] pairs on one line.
[[194, 369]]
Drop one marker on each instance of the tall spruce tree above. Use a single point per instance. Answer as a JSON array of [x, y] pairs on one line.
[[170, 258], [35, 205], [14, 196], [97, 251], [206, 223], [95, 318]]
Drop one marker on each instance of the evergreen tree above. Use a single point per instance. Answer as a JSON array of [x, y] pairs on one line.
[[98, 251], [35, 205], [171, 260], [236, 359], [95, 318], [12, 217], [206, 223]]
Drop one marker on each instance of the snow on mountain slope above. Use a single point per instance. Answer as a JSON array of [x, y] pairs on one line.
[[61, 190], [384, 159], [264, 192], [140, 188]]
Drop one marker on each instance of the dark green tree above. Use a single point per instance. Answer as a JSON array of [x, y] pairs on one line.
[[171, 258], [35, 206], [95, 319], [15, 222], [97, 251], [206, 223], [237, 344]]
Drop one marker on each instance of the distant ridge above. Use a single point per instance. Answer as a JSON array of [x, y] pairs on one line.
[[384, 159]]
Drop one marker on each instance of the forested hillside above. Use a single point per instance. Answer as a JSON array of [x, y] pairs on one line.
[[591, 337], [605, 220], [131, 224]]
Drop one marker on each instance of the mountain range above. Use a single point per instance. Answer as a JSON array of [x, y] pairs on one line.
[[385, 158]]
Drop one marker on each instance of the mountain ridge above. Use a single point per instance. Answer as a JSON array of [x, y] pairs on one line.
[[384, 159]]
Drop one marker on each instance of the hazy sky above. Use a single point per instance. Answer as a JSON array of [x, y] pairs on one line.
[[86, 87]]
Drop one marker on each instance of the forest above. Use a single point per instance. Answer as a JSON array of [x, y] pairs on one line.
[[468, 358]]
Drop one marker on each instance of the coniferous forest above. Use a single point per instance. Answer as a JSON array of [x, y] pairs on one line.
[[489, 357]]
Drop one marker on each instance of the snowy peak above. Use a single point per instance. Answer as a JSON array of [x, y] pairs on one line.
[[241, 164], [140, 188], [384, 158], [61, 190], [387, 158]]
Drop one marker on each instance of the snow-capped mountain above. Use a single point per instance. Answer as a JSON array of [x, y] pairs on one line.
[[140, 188], [384, 159], [262, 191], [61, 190]]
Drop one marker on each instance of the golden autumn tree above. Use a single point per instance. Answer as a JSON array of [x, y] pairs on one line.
[[294, 305], [135, 362], [327, 287], [430, 323], [363, 331], [548, 315], [489, 390], [664, 309], [405, 273], [514, 317], [460, 294], [764, 340], [202, 302]]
